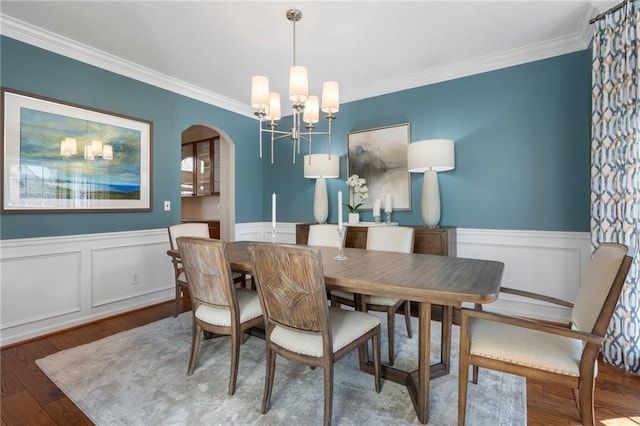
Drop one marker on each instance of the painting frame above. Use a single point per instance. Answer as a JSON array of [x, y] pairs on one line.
[[380, 156], [106, 167]]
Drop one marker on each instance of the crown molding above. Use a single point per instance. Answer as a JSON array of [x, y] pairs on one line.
[[56, 43], [38, 37], [534, 52]]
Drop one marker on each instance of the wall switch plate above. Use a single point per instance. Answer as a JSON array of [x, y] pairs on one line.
[[167, 206]]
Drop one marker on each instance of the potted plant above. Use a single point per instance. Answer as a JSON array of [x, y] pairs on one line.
[[358, 193]]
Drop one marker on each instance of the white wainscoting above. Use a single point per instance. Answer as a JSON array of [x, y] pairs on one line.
[[49, 284], [53, 283], [550, 263]]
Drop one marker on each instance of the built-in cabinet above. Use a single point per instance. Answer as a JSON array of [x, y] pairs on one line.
[[200, 168]]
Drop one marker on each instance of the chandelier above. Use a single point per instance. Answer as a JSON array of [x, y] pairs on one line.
[[305, 107]]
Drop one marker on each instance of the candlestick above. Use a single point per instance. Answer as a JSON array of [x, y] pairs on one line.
[[273, 211], [340, 255], [387, 204], [376, 208], [340, 209]]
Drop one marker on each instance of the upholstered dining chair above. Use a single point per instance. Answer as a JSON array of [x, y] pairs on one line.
[[559, 355], [384, 238], [200, 230], [323, 234], [218, 306], [300, 326]]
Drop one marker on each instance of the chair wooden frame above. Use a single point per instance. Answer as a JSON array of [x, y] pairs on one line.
[[583, 386], [290, 282], [391, 310], [195, 229], [200, 230], [210, 284]]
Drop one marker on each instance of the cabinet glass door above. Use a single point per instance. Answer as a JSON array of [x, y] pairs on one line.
[[203, 168], [186, 171]]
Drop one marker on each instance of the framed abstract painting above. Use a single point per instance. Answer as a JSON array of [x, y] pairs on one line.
[[380, 156], [65, 157]]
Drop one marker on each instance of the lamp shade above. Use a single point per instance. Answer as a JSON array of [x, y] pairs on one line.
[[321, 165], [259, 91], [431, 154], [330, 97], [311, 110], [273, 112], [298, 84]]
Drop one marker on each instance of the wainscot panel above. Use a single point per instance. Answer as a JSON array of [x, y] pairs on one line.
[[550, 263], [53, 283]]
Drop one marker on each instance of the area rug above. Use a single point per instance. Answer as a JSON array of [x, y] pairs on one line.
[[138, 377]]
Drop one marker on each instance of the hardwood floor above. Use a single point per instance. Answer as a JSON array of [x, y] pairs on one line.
[[30, 398]]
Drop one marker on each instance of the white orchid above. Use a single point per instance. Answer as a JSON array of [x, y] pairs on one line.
[[358, 192]]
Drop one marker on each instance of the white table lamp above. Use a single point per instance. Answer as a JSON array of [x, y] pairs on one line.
[[429, 157], [320, 167]]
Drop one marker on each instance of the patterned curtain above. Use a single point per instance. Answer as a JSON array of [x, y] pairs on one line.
[[615, 167]]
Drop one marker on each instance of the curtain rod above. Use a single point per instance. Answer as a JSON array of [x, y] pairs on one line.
[[613, 9]]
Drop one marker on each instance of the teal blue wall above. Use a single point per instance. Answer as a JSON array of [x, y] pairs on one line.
[[43, 73], [521, 133], [522, 141]]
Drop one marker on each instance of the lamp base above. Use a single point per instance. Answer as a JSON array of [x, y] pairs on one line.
[[320, 201], [430, 199]]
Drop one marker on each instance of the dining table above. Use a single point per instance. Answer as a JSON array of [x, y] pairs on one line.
[[421, 278]]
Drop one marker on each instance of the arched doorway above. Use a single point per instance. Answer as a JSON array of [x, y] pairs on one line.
[[222, 207]]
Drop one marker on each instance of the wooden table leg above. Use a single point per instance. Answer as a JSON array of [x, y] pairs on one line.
[[424, 370], [445, 341]]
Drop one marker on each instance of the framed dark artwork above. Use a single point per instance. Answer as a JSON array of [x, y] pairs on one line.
[[64, 157], [380, 156]]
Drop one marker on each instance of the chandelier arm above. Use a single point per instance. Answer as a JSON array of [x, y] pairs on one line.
[[281, 133]]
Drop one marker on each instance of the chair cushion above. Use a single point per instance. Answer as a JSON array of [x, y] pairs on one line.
[[346, 326], [248, 303], [372, 300], [530, 348]]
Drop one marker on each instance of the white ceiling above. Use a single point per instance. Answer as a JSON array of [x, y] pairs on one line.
[[210, 49]]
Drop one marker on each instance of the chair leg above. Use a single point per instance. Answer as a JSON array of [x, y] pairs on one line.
[[178, 300], [328, 393], [475, 375], [375, 342], [391, 332], [236, 340], [268, 379], [463, 383], [585, 396], [195, 346], [334, 301], [407, 317]]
